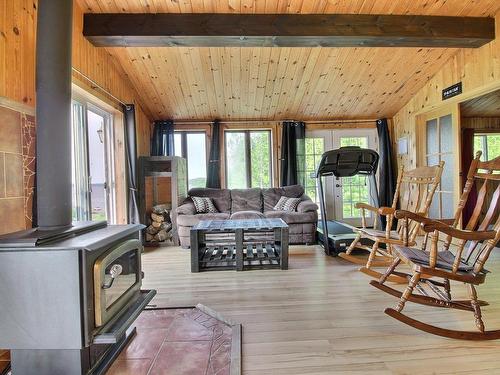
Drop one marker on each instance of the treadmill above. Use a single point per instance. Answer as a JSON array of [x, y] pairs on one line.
[[343, 162]]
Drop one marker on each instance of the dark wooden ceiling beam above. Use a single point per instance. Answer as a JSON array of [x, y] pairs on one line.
[[286, 30]]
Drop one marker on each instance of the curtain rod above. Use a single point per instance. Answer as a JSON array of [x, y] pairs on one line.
[[204, 122], [94, 83]]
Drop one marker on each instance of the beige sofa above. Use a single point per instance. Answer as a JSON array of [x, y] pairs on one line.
[[251, 204]]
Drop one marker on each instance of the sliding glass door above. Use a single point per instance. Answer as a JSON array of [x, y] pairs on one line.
[[92, 160]]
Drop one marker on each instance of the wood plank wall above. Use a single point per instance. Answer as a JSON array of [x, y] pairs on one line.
[[479, 71], [17, 90], [481, 123]]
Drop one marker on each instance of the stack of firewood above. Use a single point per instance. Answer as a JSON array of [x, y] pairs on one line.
[[160, 229]]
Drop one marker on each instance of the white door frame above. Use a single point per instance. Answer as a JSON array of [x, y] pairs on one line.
[[333, 198]]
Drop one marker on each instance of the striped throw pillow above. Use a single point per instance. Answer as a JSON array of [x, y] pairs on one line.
[[204, 205], [287, 204]]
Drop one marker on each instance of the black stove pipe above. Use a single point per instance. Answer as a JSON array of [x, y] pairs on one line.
[[53, 112]]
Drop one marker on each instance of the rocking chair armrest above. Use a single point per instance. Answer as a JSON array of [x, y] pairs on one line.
[[386, 211], [467, 235], [365, 206], [416, 216]]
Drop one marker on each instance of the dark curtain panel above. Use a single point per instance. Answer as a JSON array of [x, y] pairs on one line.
[[162, 143], [467, 157], [213, 172], [387, 180], [293, 153], [131, 154]]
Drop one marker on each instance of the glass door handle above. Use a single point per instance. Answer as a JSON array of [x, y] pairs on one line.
[[338, 185]]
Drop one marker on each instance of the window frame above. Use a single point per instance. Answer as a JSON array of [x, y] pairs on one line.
[[184, 145], [87, 105], [248, 155], [484, 134]]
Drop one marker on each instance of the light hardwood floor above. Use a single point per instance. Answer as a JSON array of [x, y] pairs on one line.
[[322, 317]]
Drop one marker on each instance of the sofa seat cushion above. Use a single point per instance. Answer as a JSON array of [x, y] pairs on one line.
[[220, 197], [291, 217], [246, 215], [246, 200], [272, 196], [191, 220]]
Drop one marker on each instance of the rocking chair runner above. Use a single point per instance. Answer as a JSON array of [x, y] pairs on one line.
[[473, 247], [414, 192]]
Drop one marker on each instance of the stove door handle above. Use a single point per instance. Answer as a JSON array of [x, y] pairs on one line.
[[114, 272]]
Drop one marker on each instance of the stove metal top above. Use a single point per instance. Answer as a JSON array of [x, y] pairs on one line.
[[81, 235]]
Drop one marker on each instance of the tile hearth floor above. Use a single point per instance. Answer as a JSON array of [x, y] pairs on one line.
[[176, 342]]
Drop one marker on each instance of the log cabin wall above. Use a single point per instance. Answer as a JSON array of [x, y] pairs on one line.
[[17, 103], [479, 72]]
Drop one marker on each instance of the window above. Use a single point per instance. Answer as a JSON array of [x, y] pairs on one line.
[[439, 147], [93, 181], [193, 147], [314, 149], [355, 189], [248, 159], [489, 144]]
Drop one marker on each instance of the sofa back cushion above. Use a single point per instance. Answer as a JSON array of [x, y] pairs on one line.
[[220, 197], [246, 200], [272, 196]]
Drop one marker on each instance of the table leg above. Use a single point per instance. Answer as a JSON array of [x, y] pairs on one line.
[[238, 234], [195, 251], [284, 248]]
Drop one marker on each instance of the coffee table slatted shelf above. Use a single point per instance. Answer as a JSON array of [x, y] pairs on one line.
[[262, 243], [254, 256]]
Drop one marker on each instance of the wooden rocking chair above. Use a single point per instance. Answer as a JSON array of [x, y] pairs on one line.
[[414, 192], [473, 247]]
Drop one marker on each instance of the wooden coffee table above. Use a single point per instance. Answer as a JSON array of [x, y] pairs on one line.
[[239, 245]]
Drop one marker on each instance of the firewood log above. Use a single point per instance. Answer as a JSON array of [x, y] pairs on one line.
[[149, 237], [157, 218], [161, 236], [166, 226], [156, 224], [152, 230]]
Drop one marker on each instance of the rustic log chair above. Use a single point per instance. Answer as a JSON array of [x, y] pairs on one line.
[[414, 192], [472, 247]]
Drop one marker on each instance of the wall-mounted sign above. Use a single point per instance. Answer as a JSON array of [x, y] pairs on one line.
[[452, 91]]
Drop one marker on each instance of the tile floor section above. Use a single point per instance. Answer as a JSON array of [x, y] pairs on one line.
[[176, 342], [172, 342]]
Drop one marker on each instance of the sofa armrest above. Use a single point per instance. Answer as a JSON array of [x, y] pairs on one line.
[[187, 208], [307, 206]]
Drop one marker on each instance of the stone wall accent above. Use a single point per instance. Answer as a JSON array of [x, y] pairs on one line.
[[17, 169]]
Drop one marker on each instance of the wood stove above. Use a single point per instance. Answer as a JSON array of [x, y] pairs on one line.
[[69, 296]]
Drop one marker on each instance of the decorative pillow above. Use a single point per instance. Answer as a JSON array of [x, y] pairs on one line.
[[287, 204], [204, 205]]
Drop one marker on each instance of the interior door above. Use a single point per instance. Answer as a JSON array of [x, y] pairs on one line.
[[348, 191], [441, 142]]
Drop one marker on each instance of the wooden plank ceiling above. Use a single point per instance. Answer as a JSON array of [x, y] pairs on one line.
[[484, 106], [282, 83]]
